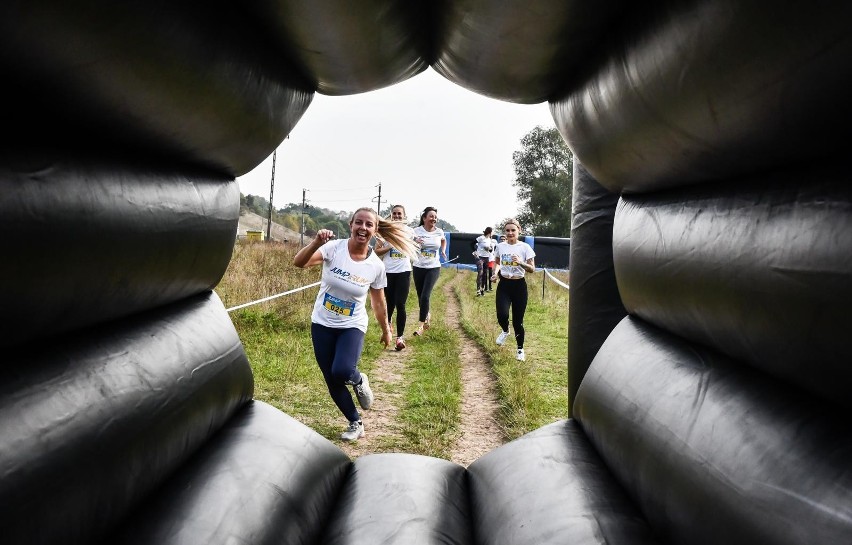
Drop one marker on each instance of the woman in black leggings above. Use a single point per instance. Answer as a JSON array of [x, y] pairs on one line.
[[514, 260], [427, 266], [483, 250], [398, 272]]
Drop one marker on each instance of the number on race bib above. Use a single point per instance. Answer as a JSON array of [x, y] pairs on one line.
[[338, 306]]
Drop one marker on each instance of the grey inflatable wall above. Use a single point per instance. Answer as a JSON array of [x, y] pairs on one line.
[[711, 265]]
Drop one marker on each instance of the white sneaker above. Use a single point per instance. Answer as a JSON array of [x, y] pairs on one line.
[[364, 393], [353, 432], [521, 356], [501, 338]]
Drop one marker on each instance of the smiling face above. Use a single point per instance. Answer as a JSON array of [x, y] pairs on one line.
[[363, 226], [430, 220], [512, 231], [398, 213]]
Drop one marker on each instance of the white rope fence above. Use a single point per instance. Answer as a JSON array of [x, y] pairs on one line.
[[271, 297], [556, 280], [564, 285]]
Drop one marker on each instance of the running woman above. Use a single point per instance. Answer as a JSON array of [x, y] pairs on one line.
[[427, 265], [398, 272], [515, 259], [350, 271], [484, 249]]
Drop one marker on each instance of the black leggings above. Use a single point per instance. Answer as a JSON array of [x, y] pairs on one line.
[[424, 282], [512, 293], [396, 292], [482, 273]]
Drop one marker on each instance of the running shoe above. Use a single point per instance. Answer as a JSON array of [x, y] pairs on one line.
[[353, 432], [419, 330], [428, 321], [364, 393], [400, 344], [501, 338], [521, 355]]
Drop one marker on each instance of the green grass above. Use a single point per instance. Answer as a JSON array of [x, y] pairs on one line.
[[430, 414]]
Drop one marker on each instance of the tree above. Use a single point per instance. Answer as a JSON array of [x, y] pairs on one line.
[[544, 178]]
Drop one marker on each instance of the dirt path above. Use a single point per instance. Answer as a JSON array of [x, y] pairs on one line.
[[480, 432], [380, 422]]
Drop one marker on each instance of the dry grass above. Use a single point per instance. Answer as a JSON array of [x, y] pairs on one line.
[[259, 270]]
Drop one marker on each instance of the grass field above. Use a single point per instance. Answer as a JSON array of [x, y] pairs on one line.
[[276, 337]]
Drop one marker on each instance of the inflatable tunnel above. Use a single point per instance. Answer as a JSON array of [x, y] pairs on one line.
[[711, 272]]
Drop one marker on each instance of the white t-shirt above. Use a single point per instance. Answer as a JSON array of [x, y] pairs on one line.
[[504, 258], [396, 261], [429, 256], [344, 286], [484, 245]]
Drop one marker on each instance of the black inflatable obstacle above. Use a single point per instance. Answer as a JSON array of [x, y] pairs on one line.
[[711, 265]]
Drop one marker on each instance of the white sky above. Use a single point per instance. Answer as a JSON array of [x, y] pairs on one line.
[[428, 141]]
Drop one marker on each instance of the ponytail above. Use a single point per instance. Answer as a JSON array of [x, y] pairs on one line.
[[398, 235]]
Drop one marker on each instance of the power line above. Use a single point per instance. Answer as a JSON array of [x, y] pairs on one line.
[[338, 189]]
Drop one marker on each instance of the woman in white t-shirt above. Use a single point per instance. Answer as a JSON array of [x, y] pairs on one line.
[[515, 260], [427, 264], [484, 250], [350, 271], [398, 272]]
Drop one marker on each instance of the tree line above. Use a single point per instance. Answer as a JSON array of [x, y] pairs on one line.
[[314, 217], [543, 178]]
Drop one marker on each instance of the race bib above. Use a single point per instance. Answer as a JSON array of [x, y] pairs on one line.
[[506, 260], [396, 254], [338, 306], [429, 253]]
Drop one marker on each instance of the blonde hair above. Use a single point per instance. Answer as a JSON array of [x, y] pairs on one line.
[[512, 221], [394, 233]]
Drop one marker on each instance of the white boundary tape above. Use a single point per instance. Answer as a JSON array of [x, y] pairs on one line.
[[566, 286], [273, 297]]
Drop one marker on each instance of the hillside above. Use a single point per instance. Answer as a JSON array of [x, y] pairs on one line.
[[249, 221]]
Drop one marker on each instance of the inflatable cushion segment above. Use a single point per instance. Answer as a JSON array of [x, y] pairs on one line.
[[155, 77], [714, 452], [700, 91], [264, 478], [346, 50], [550, 486], [93, 423], [596, 306], [523, 52], [761, 271], [86, 242], [401, 498]]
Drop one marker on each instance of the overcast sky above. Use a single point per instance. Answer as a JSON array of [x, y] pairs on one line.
[[427, 141]]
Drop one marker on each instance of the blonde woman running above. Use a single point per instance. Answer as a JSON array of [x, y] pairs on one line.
[[350, 271], [515, 259]]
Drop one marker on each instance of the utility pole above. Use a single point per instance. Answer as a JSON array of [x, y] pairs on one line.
[[302, 238], [379, 198], [271, 189]]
